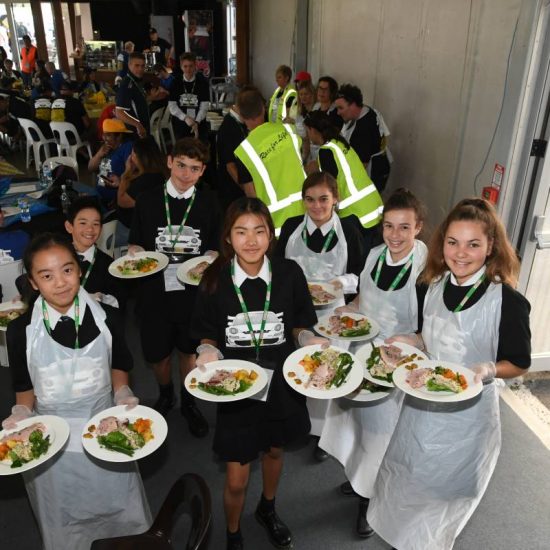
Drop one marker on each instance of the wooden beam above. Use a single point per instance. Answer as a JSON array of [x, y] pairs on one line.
[[243, 42], [60, 36], [72, 20], [39, 30]]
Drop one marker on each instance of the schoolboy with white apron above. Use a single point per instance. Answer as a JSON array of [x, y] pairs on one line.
[[75, 498], [358, 434], [321, 266], [442, 456]]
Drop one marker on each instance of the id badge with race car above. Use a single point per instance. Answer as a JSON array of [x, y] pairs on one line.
[[171, 281]]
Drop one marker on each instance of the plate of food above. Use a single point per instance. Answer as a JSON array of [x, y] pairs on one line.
[[10, 311], [352, 327], [380, 360], [226, 380], [190, 272], [323, 294], [368, 391], [141, 264], [118, 435], [322, 373], [34, 441], [440, 381]]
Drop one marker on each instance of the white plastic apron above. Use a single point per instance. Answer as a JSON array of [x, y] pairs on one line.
[[358, 434], [441, 457], [75, 498], [321, 267]]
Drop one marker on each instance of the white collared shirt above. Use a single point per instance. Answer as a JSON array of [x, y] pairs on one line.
[[325, 228], [175, 194], [88, 254], [190, 79], [54, 315], [235, 115], [241, 275], [402, 261], [472, 280]]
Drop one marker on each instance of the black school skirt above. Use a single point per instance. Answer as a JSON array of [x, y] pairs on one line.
[[246, 428]]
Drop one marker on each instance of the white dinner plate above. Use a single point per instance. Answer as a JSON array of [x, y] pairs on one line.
[[159, 256], [58, 430], [363, 354], [323, 323], [364, 396], [158, 427], [400, 378], [199, 375], [183, 270], [327, 287], [296, 376], [5, 306]]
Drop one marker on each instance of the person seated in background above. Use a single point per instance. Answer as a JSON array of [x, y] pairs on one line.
[[84, 225], [89, 84], [40, 78], [110, 159], [57, 77], [10, 72], [13, 107], [42, 109], [67, 108], [146, 168], [159, 94], [122, 61]]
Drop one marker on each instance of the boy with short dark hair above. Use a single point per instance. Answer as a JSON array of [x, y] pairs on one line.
[[84, 224], [180, 219]]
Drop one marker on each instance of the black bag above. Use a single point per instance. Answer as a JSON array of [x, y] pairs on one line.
[[62, 175]]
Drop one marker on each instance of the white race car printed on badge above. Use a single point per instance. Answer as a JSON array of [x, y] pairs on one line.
[[237, 334], [188, 242]]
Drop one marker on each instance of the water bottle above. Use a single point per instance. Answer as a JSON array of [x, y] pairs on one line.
[[23, 204], [65, 201], [47, 178]]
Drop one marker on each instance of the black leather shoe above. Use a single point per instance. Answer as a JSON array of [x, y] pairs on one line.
[[198, 425], [320, 454], [164, 403], [235, 543], [347, 489], [278, 532], [362, 527]]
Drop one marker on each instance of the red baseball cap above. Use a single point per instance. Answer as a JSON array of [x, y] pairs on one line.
[[302, 76]]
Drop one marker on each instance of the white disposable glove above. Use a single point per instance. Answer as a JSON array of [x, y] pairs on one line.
[[307, 338], [211, 254], [412, 339], [18, 413], [352, 307], [206, 354], [484, 371], [125, 396], [133, 249]]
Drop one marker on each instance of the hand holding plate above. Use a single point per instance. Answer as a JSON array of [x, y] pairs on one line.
[[18, 413]]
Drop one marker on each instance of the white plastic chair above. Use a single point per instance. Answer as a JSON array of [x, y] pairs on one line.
[[54, 162], [166, 126], [156, 118], [106, 241], [67, 139], [35, 141]]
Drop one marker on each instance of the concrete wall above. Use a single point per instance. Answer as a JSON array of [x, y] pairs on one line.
[[436, 70]]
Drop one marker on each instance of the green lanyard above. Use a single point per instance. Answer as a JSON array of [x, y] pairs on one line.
[[328, 238], [469, 294], [256, 341], [89, 270], [76, 318], [185, 216], [400, 275]]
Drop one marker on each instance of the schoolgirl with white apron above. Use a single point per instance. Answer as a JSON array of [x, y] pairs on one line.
[[357, 434], [75, 498], [322, 266], [442, 456]]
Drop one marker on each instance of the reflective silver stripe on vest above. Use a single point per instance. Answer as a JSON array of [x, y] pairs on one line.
[[296, 144], [354, 194], [372, 215], [287, 201], [260, 166], [283, 99]]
